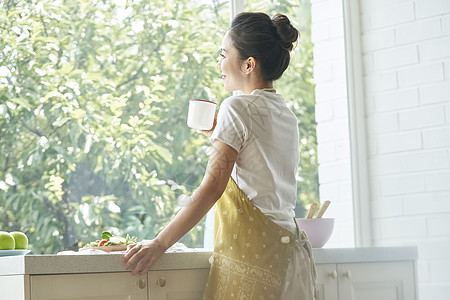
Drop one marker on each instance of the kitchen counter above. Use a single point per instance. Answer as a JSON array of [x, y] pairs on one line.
[[189, 259], [367, 254]]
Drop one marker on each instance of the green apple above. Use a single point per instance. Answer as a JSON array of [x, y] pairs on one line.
[[21, 240], [6, 241]]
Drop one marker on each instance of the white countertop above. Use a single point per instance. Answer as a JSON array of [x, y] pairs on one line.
[[191, 259], [369, 254]]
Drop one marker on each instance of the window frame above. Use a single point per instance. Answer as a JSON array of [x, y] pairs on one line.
[[357, 125]]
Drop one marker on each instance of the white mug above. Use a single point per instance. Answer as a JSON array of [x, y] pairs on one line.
[[201, 114]]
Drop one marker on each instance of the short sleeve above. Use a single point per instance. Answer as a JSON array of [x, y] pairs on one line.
[[231, 127]]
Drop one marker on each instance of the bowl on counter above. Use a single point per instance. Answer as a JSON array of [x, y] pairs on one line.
[[318, 230]]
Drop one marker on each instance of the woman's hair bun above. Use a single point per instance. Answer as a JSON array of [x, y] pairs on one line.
[[268, 40], [287, 32]]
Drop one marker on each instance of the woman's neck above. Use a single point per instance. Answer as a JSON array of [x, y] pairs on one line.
[[261, 85]]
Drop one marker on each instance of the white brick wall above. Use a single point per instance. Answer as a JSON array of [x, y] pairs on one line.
[[418, 31], [396, 99], [406, 65], [425, 161], [431, 8], [447, 69], [420, 74], [380, 82], [398, 142], [395, 57], [436, 137], [422, 117], [427, 203], [380, 39], [435, 93], [408, 94], [396, 14], [446, 25]]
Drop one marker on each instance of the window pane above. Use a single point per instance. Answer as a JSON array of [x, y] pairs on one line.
[[297, 87], [93, 102]]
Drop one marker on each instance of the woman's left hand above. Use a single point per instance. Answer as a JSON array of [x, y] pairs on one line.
[[209, 132], [142, 256]]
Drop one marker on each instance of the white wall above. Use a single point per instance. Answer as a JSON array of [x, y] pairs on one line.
[[405, 47]]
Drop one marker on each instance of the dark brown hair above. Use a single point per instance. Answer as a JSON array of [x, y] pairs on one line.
[[267, 40]]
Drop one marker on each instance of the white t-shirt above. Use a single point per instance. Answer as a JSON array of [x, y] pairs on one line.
[[264, 131]]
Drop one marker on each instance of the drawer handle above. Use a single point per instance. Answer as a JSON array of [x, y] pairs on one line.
[[348, 274], [161, 282], [333, 274], [140, 283]]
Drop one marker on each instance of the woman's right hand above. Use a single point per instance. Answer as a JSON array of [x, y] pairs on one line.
[[208, 133], [141, 256]]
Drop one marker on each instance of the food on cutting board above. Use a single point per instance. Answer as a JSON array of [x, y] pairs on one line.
[[110, 242]]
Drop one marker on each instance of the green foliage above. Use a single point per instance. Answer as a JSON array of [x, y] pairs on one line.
[[93, 101]]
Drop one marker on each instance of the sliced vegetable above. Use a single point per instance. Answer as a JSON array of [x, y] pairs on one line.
[[106, 235], [109, 240], [117, 240]]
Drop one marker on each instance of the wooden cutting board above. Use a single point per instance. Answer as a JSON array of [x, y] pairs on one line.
[[106, 248]]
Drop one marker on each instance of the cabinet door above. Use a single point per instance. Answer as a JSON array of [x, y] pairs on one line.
[[100, 286], [15, 287], [327, 282], [177, 284], [375, 281]]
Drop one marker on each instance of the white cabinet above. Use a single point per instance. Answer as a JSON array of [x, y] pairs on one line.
[[96, 286], [367, 281], [373, 273], [327, 286], [177, 284], [156, 285], [14, 287]]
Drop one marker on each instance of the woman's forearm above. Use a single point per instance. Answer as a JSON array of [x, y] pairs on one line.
[[141, 256], [194, 209], [191, 213]]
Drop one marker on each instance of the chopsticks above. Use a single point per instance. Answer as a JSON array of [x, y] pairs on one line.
[[311, 211], [313, 207], [323, 208]]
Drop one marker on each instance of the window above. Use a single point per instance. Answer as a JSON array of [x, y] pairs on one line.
[[93, 101]]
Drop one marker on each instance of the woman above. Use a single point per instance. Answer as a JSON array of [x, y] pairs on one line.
[[259, 252]]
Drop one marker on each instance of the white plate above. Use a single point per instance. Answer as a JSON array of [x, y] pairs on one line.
[[13, 252]]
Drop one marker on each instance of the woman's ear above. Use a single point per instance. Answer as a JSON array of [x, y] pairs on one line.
[[250, 65]]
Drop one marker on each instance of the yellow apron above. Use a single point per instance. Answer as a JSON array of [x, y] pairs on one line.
[[251, 252]]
